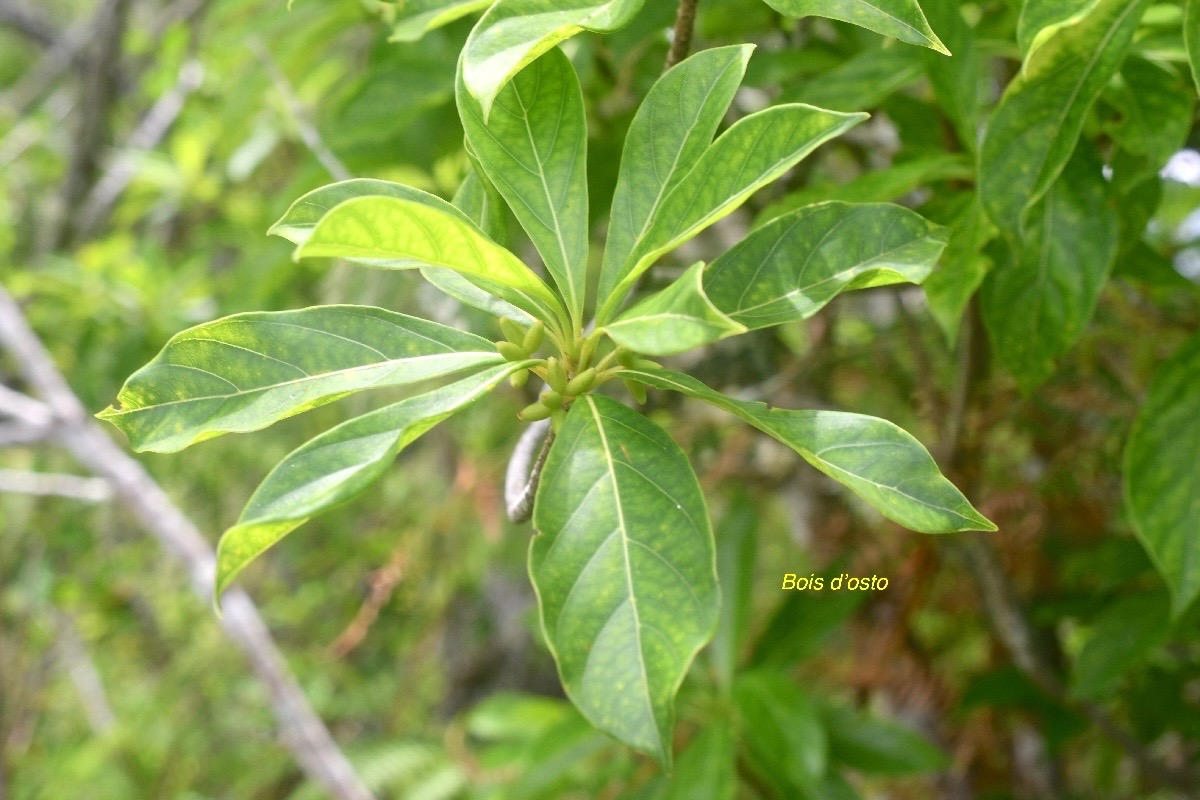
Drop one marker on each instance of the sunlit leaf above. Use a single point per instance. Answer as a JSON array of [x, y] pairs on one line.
[[673, 127], [1041, 15], [418, 17], [533, 148], [1034, 130], [1191, 37], [900, 19], [339, 465], [1162, 483], [879, 461], [624, 568], [248, 371], [676, 319], [405, 232], [515, 32]]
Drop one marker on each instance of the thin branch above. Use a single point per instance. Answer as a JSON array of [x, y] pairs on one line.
[[148, 134], [23, 408], [525, 472], [681, 37], [300, 116], [301, 729], [29, 22], [54, 484], [84, 676]]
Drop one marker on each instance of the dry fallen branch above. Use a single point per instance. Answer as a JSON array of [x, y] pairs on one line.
[[301, 729]]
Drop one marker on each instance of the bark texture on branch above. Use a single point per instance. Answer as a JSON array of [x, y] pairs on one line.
[[299, 726]]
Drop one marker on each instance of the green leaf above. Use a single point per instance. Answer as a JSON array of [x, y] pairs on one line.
[[1191, 37], [876, 186], [877, 747], [1156, 107], [513, 33], [1162, 484], [676, 319], [339, 465], [248, 371], [753, 152], [418, 17], [900, 19], [737, 544], [623, 564], [861, 82], [792, 267], [707, 769], [1123, 636], [879, 461], [478, 199], [1045, 15], [1036, 306], [962, 268], [670, 131], [955, 81], [302, 217], [782, 730], [802, 624], [1034, 130], [533, 148], [405, 233]]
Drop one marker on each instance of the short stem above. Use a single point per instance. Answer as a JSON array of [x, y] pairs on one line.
[[685, 23]]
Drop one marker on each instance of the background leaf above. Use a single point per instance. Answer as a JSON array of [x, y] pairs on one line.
[[877, 747], [1036, 306], [248, 371], [1162, 485], [1034, 130], [624, 568], [782, 730]]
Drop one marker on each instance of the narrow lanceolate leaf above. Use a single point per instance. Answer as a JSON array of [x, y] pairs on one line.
[[790, 268], [339, 465], [1162, 484], [752, 153], [297, 225], [672, 128], [1038, 16], [418, 17], [245, 372], [900, 19], [515, 32], [781, 724], [403, 232], [624, 569], [1036, 306], [674, 320], [1034, 130], [1191, 37], [533, 148], [879, 461]]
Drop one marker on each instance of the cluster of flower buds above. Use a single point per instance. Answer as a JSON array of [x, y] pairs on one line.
[[561, 390]]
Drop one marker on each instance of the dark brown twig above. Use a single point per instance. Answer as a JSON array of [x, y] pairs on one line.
[[681, 40]]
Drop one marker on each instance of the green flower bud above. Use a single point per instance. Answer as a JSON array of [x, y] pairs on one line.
[[512, 331], [556, 376], [557, 417], [511, 352], [519, 379], [581, 382], [637, 390], [533, 337], [551, 399], [534, 412]]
